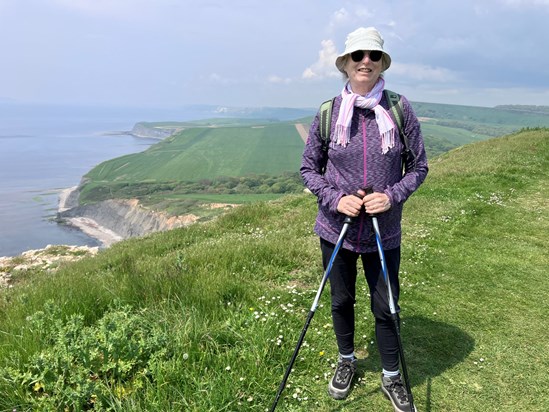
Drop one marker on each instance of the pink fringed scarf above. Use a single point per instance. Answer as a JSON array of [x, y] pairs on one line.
[[370, 101]]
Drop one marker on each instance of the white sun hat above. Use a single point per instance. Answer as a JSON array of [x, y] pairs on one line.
[[364, 38]]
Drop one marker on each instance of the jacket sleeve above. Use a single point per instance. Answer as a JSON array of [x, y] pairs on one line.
[[313, 161], [412, 179]]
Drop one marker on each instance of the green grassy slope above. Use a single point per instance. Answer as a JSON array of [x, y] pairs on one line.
[[216, 309], [202, 153]]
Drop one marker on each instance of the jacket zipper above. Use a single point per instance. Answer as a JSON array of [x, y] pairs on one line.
[[364, 178]]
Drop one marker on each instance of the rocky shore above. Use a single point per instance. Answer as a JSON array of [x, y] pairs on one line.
[[47, 259]]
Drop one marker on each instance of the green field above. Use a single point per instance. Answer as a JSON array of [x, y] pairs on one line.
[[205, 318], [205, 153]]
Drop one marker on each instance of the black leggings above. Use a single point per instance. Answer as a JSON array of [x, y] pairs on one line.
[[343, 291]]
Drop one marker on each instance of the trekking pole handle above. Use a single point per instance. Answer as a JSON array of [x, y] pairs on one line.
[[351, 219], [369, 191]]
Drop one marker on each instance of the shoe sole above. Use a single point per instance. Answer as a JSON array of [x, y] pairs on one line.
[[337, 394]]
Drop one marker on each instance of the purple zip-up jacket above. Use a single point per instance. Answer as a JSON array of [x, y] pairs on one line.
[[359, 165]]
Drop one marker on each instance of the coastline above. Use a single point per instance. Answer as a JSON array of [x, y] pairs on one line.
[[67, 197], [88, 226]]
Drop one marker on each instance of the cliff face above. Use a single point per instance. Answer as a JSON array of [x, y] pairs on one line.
[[116, 219], [126, 217]]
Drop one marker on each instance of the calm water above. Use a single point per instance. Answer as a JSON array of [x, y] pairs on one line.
[[44, 150]]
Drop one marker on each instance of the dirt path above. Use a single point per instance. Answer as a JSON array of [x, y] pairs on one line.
[[302, 130]]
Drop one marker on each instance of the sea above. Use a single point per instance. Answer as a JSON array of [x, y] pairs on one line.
[[45, 149]]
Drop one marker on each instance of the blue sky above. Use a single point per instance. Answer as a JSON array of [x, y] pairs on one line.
[[168, 53]]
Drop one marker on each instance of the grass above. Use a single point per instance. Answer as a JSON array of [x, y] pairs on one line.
[[205, 153], [228, 299]]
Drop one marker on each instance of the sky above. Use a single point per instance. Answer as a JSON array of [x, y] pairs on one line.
[[276, 53]]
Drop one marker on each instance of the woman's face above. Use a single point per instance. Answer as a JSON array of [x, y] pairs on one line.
[[363, 74]]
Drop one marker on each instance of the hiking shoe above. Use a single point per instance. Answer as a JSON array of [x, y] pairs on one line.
[[339, 385], [395, 390]]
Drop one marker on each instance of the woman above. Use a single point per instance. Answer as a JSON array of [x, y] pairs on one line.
[[364, 152]]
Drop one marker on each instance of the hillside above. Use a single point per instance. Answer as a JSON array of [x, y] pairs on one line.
[[238, 160], [204, 164], [445, 126], [206, 317]]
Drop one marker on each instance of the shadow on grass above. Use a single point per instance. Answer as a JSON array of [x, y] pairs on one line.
[[430, 348]]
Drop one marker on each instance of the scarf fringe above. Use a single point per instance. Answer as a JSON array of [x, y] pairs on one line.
[[387, 141], [343, 135]]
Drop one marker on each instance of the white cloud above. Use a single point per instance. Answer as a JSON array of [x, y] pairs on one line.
[[452, 44], [324, 66], [214, 77], [218, 79], [339, 18], [363, 13], [279, 80], [420, 72]]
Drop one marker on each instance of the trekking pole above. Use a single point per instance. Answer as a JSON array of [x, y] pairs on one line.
[[348, 220], [393, 311]]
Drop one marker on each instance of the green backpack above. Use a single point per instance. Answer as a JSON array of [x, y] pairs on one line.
[[395, 105]]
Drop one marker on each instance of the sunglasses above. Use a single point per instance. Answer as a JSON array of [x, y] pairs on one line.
[[375, 55]]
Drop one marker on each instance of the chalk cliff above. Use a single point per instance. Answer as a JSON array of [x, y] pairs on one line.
[[116, 219]]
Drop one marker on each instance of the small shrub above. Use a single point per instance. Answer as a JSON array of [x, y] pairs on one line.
[[87, 367]]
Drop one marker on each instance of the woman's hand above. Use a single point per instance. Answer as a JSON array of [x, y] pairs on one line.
[[350, 205], [376, 202]]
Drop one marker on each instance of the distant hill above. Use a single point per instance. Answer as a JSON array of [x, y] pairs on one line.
[[278, 113], [532, 109], [444, 126]]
